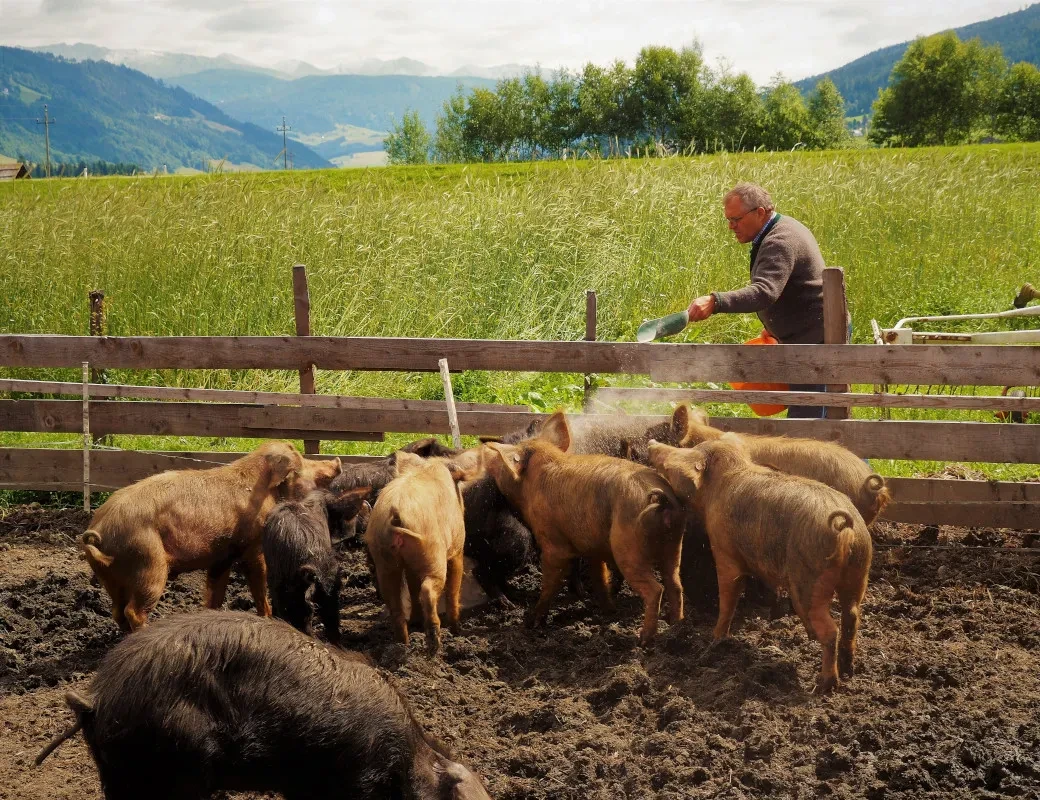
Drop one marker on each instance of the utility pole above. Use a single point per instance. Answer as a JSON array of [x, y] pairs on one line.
[[285, 152], [291, 156], [46, 122]]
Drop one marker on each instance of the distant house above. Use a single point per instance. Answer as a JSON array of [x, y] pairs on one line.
[[10, 170]]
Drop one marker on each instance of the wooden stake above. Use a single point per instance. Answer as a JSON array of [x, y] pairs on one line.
[[449, 396], [97, 328], [590, 336], [86, 437], [835, 326], [302, 309]]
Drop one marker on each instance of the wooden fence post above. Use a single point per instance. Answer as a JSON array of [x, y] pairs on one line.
[[590, 336], [449, 397], [97, 328], [835, 326], [302, 309], [86, 437]]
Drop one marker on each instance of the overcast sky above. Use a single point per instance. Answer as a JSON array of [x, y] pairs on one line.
[[762, 37]]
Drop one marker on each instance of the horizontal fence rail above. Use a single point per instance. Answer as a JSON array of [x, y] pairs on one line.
[[936, 501], [876, 364], [901, 440], [113, 391], [612, 395]]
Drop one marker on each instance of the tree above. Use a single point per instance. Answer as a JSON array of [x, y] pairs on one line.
[[734, 113], [1018, 103], [786, 117], [450, 145], [827, 129], [942, 91], [408, 142]]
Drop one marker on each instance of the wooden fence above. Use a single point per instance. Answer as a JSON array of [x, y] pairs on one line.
[[199, 412]]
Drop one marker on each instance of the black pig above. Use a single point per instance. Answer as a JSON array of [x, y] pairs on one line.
[[299, 557], [228, 701]]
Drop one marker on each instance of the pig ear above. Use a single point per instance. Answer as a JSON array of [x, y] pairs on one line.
[[681, 420], [557, 431], [406, 462], [509, 458], [698, 466], [339, 466], [349, 503], [281, 466]]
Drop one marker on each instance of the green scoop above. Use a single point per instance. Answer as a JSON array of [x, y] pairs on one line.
[[665, 326]]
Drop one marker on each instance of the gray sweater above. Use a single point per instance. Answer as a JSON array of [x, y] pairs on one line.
[[786, 288]]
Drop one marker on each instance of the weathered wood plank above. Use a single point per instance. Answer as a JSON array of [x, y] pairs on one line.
[[237, 396], [940, 441], [58, 470], [907, 441], [940, 364], [850, 363], [1020, 516], [949, 490], [209, 419], [331, 353], [861, 399], [835, 327]]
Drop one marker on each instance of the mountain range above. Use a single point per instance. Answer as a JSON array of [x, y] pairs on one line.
[[164, 65], [108, 112], [1018, 35]]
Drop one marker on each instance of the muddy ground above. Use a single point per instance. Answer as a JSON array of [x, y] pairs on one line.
[[947, 702]]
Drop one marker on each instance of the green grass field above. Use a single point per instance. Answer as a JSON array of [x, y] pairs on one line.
[[501, 252]]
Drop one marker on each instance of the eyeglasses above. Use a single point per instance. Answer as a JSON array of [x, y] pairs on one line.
[[735, 220]]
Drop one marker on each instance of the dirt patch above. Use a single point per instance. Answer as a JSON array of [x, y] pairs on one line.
[[945, 702]]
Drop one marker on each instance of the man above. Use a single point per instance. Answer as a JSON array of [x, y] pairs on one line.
[[786, 288]]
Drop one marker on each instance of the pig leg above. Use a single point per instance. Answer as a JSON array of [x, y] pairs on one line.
[[430, 594], [453, 588], [217, 577], [849, 598], [390, 588], [555, 569], [813, 605], [668, 564], [415, 597], [731, 586], [599, 577], [256, 575], [328, 610], [641, 578]]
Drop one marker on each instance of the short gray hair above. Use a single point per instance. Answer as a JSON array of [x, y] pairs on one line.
[[751, 195]]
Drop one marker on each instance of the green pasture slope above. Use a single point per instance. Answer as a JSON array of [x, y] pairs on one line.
[[501, 252]]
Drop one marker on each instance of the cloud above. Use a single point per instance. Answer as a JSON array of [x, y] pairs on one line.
[[254, 18]]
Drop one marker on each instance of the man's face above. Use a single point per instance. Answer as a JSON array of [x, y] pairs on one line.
[[744, 223]]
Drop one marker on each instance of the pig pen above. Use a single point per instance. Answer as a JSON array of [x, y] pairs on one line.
[[945, 703]]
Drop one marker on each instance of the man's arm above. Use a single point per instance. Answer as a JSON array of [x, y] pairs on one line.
[[773, 267]]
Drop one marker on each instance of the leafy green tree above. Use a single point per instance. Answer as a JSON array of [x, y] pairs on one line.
[[942, 91], [655, 82], [786, 117], [450, 144], [484, 125], [559, 125], [408, 141], [1018, 104], [689, 118], [827, 129], [734, 113]]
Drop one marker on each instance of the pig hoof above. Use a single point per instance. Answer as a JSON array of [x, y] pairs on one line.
[[825, 685]]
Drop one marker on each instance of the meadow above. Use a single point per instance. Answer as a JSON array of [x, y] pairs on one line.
[[501, 252]]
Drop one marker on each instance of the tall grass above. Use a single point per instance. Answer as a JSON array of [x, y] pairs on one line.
[[503, 251]]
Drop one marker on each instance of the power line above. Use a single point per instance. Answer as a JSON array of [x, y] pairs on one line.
[[46, 122], [285, 153]]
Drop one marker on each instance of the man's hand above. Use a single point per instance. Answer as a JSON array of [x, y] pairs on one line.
[[701, 308]]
